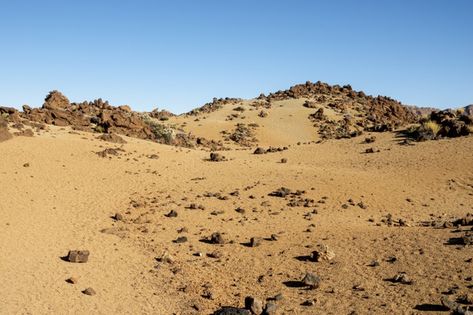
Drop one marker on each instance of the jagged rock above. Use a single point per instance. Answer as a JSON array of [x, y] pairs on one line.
[[311, 280], [56, 100], [323, 252]]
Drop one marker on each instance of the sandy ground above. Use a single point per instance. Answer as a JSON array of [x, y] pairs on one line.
[[67, 196]]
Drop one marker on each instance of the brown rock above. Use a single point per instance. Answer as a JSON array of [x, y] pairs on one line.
[[78, 256], [311, 280], [56, 100], [323, 252], [71, 280], [216, 157], [89, 291], [217, 238], [255, 241]]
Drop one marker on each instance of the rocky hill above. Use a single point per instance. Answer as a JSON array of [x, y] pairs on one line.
[[306, 112]]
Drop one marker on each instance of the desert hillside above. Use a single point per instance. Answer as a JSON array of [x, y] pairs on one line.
[[314, 200]]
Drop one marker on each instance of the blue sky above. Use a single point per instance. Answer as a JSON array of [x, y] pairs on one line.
[[179, 54]]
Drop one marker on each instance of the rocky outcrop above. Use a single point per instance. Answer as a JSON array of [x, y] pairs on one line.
[[376, 114], [4, 133], [216, 104], [443, 124], [100, 116]]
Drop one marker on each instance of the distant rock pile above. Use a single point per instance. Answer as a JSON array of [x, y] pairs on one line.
[[360, 111], [100, 116], [216, 104]]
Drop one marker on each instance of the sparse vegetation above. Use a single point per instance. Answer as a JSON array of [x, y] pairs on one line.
[[431, 126], [161, 132]]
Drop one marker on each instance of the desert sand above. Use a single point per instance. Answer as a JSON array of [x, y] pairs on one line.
[[387, 220]]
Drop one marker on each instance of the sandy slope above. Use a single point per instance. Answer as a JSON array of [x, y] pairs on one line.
[[68, 194], [285, 124]]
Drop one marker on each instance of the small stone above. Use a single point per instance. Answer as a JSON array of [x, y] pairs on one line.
[[402, 278], [322, 253], [308, 303], [274, 237], [281, 192], [255, 305], [71, 280], [215, 254], [26, 165], [89, 291], [374, 263], [118, 217], [283, 160], [78, 256], [216, 157], [172, 214], [259, 150], [217, 238], [240, 210], [255, 241], [180, 239], [311, 280], [166, 258]]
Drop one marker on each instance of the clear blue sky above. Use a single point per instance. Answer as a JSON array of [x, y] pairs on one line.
[[179, 54]]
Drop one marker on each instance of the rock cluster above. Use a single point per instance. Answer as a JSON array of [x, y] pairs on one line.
[[216, 104], [243, 135], [100, 116], [443, 124], [372, 113]]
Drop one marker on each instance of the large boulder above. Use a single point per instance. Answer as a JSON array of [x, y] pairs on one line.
[[56, 100]]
